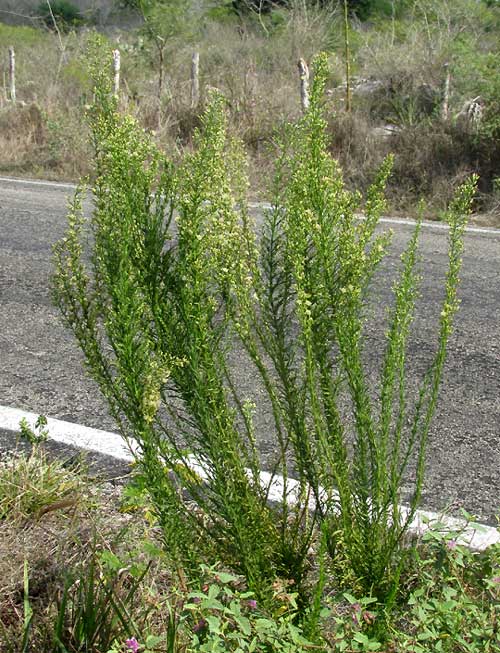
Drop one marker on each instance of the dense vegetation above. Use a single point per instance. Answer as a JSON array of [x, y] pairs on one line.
[[173, 278], [169, 274], [400, 55], [82, 571]]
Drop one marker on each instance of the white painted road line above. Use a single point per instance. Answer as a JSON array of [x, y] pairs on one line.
[[402, 221], [36, 182], [477, 536], [267, 206], [440, 225], [83, 437]]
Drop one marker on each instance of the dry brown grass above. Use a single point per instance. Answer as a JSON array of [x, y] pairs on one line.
[[256, 69], [53, 545]]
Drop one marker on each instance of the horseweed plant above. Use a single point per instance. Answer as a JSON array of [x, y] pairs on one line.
[[318, 260], [176, 275]]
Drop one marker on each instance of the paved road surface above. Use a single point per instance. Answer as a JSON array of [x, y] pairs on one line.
[[41, 367]]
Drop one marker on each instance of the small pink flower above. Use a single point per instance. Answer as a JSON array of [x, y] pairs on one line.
[[356, 611], [451, 544], [368, 617], [252, 604], [496, 580], [132, 644], [199, 626]]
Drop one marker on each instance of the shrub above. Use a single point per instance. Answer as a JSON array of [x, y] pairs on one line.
[[62, 14], [187, 303], [177, 276]]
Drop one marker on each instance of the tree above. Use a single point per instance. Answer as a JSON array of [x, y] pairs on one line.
[[163, 20], [362, 9], [259, 6], [59, 13]]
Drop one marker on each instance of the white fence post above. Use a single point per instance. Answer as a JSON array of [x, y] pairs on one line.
[[251, 91], [116, 72], [304, 85], [12, 74], [195, 80], [5, 92], [446, 94]]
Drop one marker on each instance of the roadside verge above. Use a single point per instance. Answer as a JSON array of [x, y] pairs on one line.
[[68, 438]]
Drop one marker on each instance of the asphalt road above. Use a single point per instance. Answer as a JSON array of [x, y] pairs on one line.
[[41, 368]]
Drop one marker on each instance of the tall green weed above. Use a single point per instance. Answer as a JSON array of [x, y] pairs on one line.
[[174, 275]]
